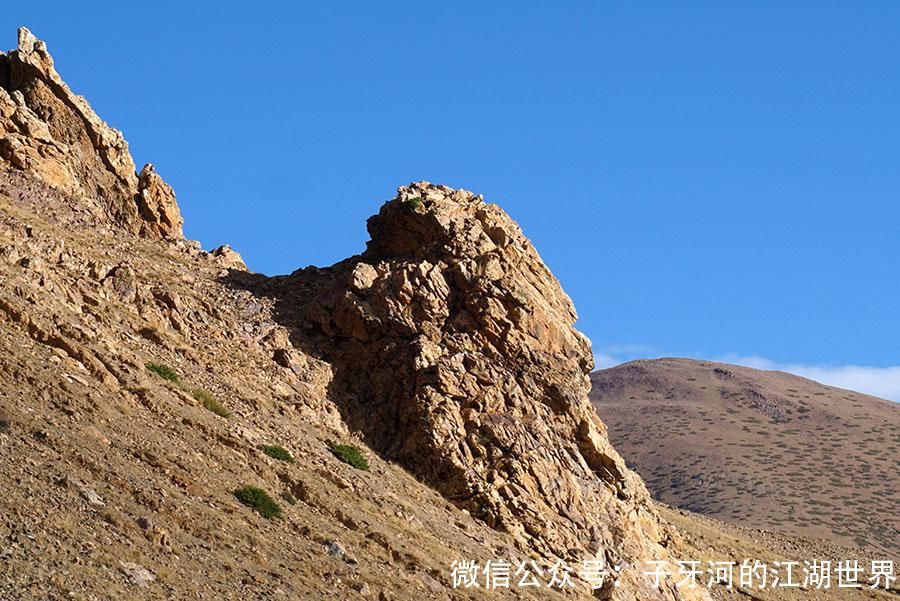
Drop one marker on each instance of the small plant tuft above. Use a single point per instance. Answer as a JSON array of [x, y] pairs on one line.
[[413, 205], [277, 452], [288, 498], [164, 371], [211, 403], [349, 454], [258, 500]]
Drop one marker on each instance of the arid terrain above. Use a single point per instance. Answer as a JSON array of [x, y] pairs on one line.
[[758, 448], [710, 540], [174, 426]]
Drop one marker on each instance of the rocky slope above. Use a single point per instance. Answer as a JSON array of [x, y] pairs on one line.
[[760, 449], [712, 540], [446, 351]]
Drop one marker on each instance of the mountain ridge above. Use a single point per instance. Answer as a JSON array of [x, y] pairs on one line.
[[724, 363]]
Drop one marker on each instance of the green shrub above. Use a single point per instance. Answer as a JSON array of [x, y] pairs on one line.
[[164, 371], [277, 452], [211, 403], [258, 500], [413, 205], [349, 454]]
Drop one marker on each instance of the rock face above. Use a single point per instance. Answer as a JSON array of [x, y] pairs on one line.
[[53, 135], [455, 353]]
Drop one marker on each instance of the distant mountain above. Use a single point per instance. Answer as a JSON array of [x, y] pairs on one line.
[[762, 449]]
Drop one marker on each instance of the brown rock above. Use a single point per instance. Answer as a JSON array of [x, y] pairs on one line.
[[54, 135], [455, 353], [228, 258], [157, 207]]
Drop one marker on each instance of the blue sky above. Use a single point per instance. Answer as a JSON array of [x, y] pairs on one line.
[[708, 179]]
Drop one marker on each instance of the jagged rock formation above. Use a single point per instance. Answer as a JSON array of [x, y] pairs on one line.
[[455, 353], [52, 134], [157, 208], [448, 346]]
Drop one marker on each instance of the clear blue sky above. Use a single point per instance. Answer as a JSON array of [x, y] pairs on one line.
[[705, 178]]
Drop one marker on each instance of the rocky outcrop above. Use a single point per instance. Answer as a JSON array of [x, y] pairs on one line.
[[157, 208], [455, 353], [228, 258], [52, 134]]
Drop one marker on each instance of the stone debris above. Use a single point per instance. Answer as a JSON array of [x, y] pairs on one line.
[[137, 574]]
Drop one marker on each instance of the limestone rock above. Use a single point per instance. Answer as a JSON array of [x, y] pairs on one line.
[[137, 574], [54, 135]]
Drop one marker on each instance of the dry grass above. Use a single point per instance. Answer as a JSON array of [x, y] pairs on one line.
[[760, 449]]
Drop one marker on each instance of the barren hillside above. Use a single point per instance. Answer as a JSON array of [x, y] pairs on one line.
[[758, 448]]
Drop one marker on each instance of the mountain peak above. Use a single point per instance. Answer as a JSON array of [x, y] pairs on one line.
[[53, 136]]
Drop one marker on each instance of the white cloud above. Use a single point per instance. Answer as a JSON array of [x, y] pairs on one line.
[[611, 356], [605, 360], [883, 382]]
